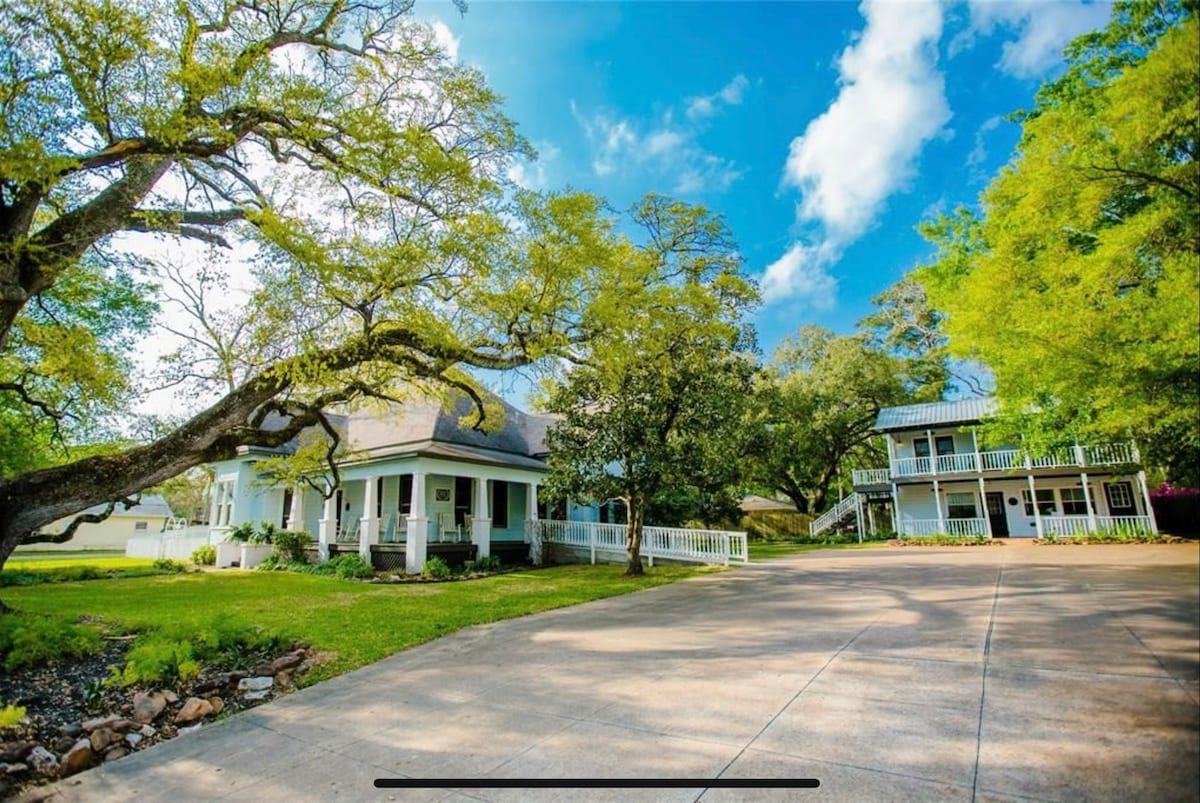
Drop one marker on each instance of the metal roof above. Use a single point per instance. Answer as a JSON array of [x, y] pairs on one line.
[[933, 414], [151, 505]]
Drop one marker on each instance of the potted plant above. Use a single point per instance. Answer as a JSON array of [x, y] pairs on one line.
[[229, 551], [257, 546]]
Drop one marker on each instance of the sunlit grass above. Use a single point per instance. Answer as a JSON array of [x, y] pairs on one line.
[[358, 622]]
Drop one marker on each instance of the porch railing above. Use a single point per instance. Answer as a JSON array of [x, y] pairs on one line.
[[1108, 454], [834, 515], [921, 527], [674, 543]]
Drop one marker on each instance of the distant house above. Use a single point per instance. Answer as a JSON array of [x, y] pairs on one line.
[[149, 517], [752, 503], [940, 480]]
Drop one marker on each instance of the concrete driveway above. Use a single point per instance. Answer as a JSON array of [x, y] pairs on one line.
[[1002, 673]]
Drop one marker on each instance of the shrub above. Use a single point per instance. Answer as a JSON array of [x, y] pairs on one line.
[[29, 639], [264, 534], [348, 567], [205, 556], [158, 660], [488, 563], [435, 568], [241, 532], [171, 566], [948, 540], [290, 545], [10, 714]]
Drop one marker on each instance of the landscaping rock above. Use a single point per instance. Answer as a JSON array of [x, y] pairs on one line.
[[190, 729], [78, 758], [13, 769], [101, 738], [115, 753], [170, 696], [218, 705], [195, 708], [15, 752], [255, 684], [43, 761], [283, 678], [74, 728], [257, 695], [132, 739], [285, 662], [264, 669], [147, 706], [99, 722], [63, 744], [148, 731]]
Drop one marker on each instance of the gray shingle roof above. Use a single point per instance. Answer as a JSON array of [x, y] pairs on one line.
[[151, 505], [934, 414]]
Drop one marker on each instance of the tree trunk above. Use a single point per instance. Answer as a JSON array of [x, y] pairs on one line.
[[633, 537]]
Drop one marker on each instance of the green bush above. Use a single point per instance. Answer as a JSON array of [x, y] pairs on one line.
[[29, 639], [488, 563], [264, 534], [948, 540], [348, 567], [290, 545], [435, 568], [158, 660], [172, 566], [241, 532], [205, 556], [10, 714], [172, 655]]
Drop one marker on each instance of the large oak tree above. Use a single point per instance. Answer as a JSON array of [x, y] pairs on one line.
[[365, 168]]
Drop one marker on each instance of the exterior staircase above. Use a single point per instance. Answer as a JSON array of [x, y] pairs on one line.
[[839, 513]]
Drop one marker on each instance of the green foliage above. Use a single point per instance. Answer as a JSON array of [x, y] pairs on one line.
[[93, 694], [435, 568], [11, 714], [348, 567], [78, 572], [29, 639], [290, 545], [1078, 283], [205, 555], [816, 408], [168, 566], [488, 563], [264, 534], [659, 400], [175, 653], [241, 533], [187, 493], [948, 540]]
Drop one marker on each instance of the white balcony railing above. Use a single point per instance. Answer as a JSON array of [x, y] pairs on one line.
[[675, 543], [1106, 524], [1110, 454], [834, 515], [1065, 525], [918, 527]]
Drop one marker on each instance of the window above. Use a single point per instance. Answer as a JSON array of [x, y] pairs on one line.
[[961, 506], [141, 526], [223, 510], [921, 447], [406, 486], [499, 504], [1073, 502], [1120, 495], [462, 500], [1045, 499], [287, 509], [944, 444]]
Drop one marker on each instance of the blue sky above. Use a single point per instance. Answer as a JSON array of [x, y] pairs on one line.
[[823, 131]]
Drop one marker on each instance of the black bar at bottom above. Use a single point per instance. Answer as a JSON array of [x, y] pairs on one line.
[[597, 783]]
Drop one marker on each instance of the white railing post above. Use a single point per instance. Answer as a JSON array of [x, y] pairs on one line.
[[591, 531], [1146, 496]]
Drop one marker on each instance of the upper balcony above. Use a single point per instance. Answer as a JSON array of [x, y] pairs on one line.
[[999, 461]]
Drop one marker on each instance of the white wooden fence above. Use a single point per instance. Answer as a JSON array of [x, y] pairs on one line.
[[173, 544], [673, 543]]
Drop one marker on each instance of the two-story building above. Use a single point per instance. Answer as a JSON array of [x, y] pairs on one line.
[[940, 479]]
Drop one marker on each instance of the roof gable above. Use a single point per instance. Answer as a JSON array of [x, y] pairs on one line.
[[935, 414]]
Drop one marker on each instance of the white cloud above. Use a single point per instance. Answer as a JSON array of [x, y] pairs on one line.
[[708, 105], [979, 152], [1042, 28], [445, 38], [864, 147], [533, 175], [802, 274], [666, 151]]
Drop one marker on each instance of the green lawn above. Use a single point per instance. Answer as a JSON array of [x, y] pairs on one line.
[[43, 561], [359, 622], [764, 550]]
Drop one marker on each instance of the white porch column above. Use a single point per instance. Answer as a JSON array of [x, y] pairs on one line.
[[870, 521], [532, 537], [368, 530], [481, 525], [978, 462], [858, 515], [1037, 511], [932, 452], [896, 508], [1087, 500], [937, 500], [325, 529], [987, 518], [1146, 499], [296, 514], [418, 528]]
